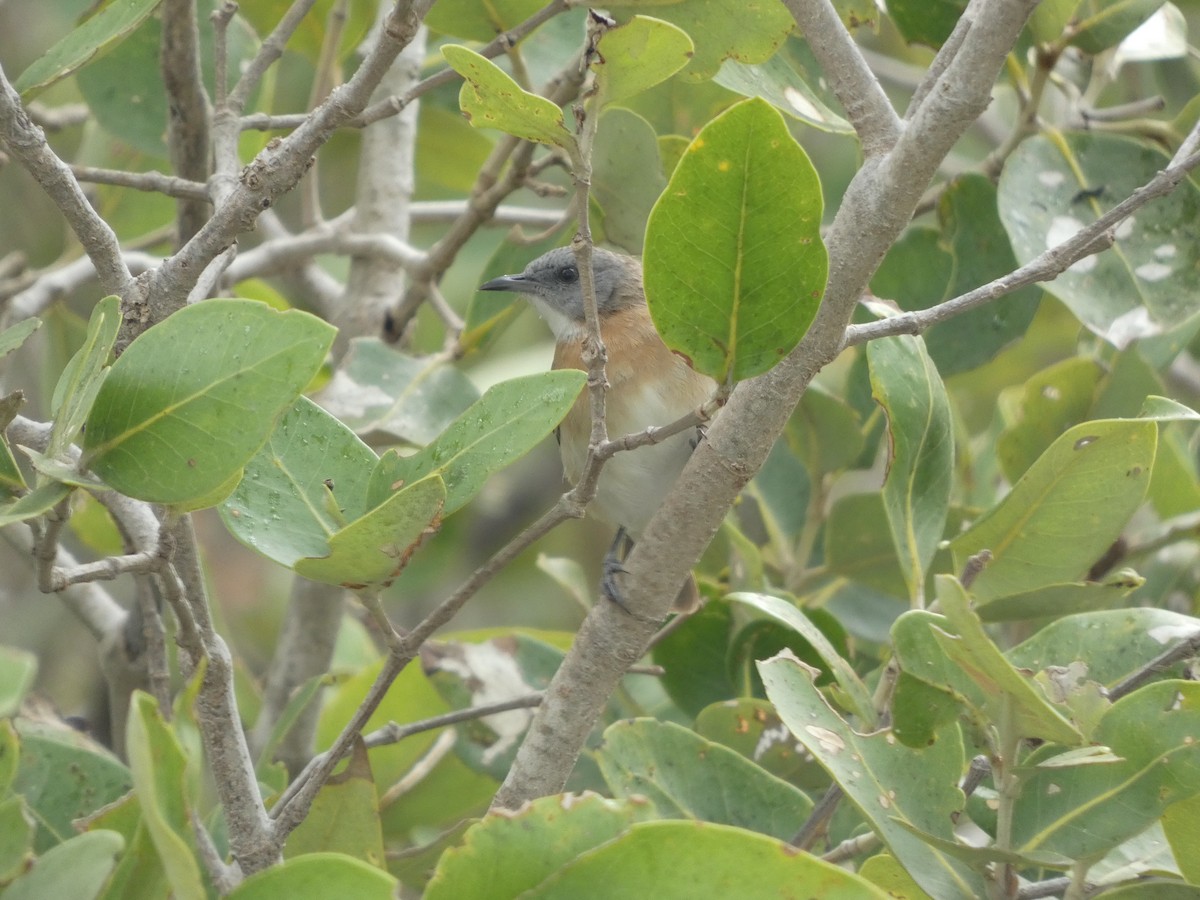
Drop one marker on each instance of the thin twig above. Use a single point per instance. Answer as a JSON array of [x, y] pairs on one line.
[[393, 733], [268, 53], [156, 182], [1044, 267], [1165, 660]]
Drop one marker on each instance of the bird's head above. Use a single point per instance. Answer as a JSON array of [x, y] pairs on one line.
[[551, 282]]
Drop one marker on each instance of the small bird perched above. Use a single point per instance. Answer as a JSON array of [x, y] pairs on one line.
[[648, 385]]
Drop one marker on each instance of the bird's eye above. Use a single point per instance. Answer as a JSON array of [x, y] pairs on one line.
[[568, 275]]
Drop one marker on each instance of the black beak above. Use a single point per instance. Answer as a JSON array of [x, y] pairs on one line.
[[516, 283]]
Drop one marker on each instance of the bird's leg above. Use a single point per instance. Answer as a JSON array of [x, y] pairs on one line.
[[613, 566]]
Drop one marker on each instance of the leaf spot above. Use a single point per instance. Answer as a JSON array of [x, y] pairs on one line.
[[1153, 271], [724, 165], [829, 740], [1085, 441]]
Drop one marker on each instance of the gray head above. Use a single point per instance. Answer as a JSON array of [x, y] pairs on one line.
[[551, 282]]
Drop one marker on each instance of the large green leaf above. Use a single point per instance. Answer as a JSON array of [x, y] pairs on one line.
[[318, 876], [491, 99], [1007, 690], [160, 779], [373, 549], [1146, 283], [1065, 511], [302, 487], [971, 249], [503, 425], [787, 614], [749, 31], [479, 20], [734, 266], [504, 855], [97, 35], [916, 491], [345, 815], [77, 868], [890, 783], [637, 55], [684, 860], [781, 85], [191, 400], [926, 21], [626, 176], [125, 93], [378, 390], [859, 544], [1043, 408], [661, 761], [1100, 24], [48, 749], [1082, 811], [16, 833]]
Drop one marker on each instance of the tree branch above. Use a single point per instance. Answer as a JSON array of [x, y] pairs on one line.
[[867, 107], [187, 108]]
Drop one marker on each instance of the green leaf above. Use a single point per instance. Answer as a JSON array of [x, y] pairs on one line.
[[778, 82], [83, 376], [503, 855], [971, 248], [191, 400], [139, 874], [685, 776], [626, 176], [1145, 283], [1181, 823], [160, 778], [735, 267], [77, 868], [684, 860], [37, 502], [17, 670], [373, 549], [1083, 811], [311, 467], [479, 20], [378, 390], [704, 635], [1059, 600], [926, 22], [1111, 643], [1050, 18], [318, 876], [749, 31], [637, 55], [503, 425], [124, 92], [859, 544], [345, 815], [48, 749], [1047, 405], [916, 491], [97, 35], [16, 834], [787, 614], [14, 337], [1065, 511], [1002, 684], [491, 99], [1100, 24], [354, 21], [888, 782]]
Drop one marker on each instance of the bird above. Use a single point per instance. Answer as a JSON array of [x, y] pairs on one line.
[[648, 385]]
